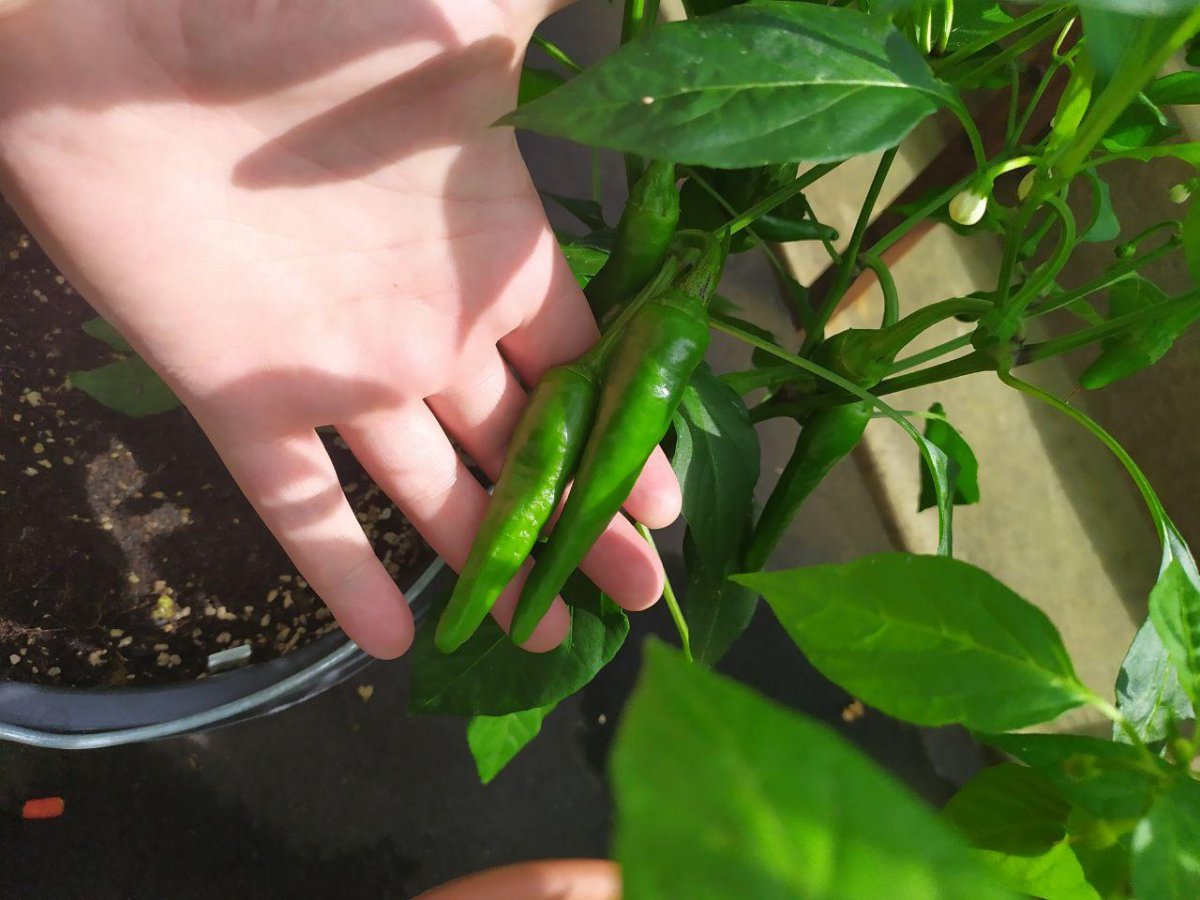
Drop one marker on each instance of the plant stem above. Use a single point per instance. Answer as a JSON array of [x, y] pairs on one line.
[[764, 206], [887, 285], [1014, 50], [932, 353], [1136, 68], [1038, 352], [985, 41], [556, 53], [845, 272], [671, 600], [1118, 272]]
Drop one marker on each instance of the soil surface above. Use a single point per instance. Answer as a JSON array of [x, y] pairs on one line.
[[127, 553]]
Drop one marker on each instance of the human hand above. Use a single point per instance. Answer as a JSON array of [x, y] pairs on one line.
[[299, 215]]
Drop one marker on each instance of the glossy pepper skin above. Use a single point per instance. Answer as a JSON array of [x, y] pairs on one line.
[[826, 438], [543, 453], [645, 375], [643, 238]]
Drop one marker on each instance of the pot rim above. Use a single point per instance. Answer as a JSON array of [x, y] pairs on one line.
[[73, 718]]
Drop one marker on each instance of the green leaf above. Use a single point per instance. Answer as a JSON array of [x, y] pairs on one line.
[[1189, 152], [1175, 612], [1142, 344], [729, 90], [490, 676], [102, 331], [1106, 779], [1104, 225], [1053, 874], [1114, 29], [974, 19], [1142, 124], [585, 260], [1010, 808], [1176, 89], [1140, 7], [1148, 690], [963, 469], [1166, 846], [1191, 239], [716, 461], [721, 794], [128, 385], [928, 639], [495, 740], [536, 83]]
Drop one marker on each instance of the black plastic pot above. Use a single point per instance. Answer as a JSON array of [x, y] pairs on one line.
[[82, 719]]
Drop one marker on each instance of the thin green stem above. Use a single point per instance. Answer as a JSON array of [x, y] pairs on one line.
[[785, 193], [1014, 51], [1014, 136], [1141, 63], [969, 364], [846, 271], [918, 359], [672, 601], [917, 216], [1038, 352], [1117, 273], [887, 286], [985, 41], [556, 53]]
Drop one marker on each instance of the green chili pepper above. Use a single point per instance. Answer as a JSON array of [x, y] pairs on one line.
[[645, 374], [544, 451], [826, 438], [643, 238]]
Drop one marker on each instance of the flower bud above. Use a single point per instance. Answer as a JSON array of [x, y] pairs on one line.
[[1180, 193], [1026, 185], [968, 206]]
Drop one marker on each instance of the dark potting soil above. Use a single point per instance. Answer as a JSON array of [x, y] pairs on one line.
[[127, 553]]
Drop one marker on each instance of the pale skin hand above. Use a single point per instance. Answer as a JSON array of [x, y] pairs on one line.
[[297, 212]]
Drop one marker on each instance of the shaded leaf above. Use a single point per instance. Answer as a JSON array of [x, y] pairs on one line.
[[928, 639], [536, 83], [589, 212], [1010, 808], [1103, 224], [716, 461], [585, 260], [1191, 238], [1166, 846], [1106, 779], [963, 469], [489, 675], [495, 740], [862, 87], [1141, 124], [1148, 690], [102, 331], [1176, 89], [1142, 344], [128, 386], [1175, 612], [722, 794]]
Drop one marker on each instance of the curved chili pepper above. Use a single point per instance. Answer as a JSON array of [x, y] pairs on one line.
[[643, 237], [646, 372], [546, 446], [825, 439]]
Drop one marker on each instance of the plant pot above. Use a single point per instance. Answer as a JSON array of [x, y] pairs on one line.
[[550, 879], [80, 719]]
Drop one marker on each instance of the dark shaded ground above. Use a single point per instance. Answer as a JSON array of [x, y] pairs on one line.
[[353, 798]]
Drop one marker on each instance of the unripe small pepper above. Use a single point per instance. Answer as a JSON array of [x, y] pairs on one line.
[[643, 238], [544, 450], [645, 374]]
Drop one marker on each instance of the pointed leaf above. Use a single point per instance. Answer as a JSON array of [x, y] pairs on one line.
[[102, 331], [722, 794], [1175, 612], [1148, 690], [1009, 808], [963, 468], [928, 639], [716, 461], [727, 90], [128, 386], [490, 676], [495, 740]]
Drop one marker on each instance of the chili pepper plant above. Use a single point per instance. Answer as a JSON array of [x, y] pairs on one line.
[[725, 119]]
